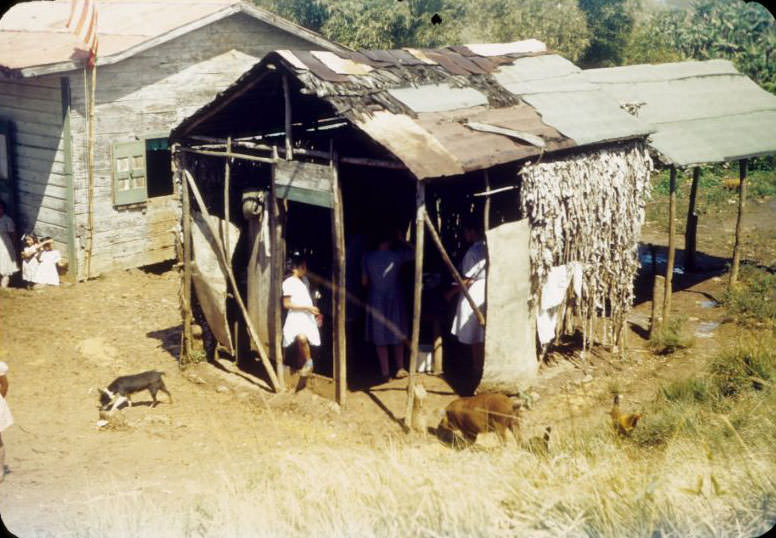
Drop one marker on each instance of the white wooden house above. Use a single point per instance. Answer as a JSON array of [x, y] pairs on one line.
[[158, 62]]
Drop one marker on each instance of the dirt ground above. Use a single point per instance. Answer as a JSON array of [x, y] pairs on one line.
[[62, 343]]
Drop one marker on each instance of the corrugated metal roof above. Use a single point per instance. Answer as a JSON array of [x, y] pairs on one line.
[[589, 117], [559, 91], [34, 40], [438, 97], [415, 103], [702, 112]]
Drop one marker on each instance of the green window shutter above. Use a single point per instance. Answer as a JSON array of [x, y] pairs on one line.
[[129, 172]]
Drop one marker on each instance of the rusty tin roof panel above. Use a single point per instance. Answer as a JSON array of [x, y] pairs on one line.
[[477, 150]]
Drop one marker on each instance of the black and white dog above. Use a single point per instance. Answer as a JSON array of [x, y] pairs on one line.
[[123, 387]]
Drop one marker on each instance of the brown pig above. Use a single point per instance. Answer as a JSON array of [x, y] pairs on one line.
[[482, 413]]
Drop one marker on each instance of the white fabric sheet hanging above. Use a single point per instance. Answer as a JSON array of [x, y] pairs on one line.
[[553, 293]]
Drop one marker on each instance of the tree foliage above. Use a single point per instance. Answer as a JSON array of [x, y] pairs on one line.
[[744, 33], [387, 24], [610, 23], [560, 24], [589, 32]]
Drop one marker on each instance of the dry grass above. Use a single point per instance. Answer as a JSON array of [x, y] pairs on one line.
[[696, 465]]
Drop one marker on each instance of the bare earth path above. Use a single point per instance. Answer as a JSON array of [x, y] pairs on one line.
[[60, 343]]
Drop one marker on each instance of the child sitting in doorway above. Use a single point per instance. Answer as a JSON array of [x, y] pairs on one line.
[[48, 259]]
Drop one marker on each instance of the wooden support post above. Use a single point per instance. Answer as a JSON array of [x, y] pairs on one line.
[[691, 231], [654, 320], [223, 260], [742, 165], [486, 209], [90, 171], [338, 238], [227, 186], [420, 216], [275, 300], [456, 275], [287, 101], [671, 246], [185, 352]]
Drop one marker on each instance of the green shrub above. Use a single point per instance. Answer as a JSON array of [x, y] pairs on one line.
[[692, 389], [754, 298], [750, 364], [670, 337]]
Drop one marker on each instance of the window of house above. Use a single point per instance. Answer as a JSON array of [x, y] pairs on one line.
[[141, 170]]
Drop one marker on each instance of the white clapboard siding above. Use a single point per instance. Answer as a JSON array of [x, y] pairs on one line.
[[151, 93], [35, 107]]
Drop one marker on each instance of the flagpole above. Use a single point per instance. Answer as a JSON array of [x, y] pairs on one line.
[[83, 23]]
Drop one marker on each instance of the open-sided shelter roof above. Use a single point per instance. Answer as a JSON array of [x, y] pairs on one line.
[[702, 112], [34, 40], [442, 112]]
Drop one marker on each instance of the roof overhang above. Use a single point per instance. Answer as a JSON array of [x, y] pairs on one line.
[[123, 46], [701, 112]]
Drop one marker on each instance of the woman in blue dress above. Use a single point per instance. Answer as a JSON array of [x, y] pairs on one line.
[[387, 322]]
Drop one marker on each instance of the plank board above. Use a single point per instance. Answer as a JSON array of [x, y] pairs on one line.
[[308, 183]]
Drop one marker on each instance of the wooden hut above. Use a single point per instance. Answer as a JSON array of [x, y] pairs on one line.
[[158, 62], [329, 145]]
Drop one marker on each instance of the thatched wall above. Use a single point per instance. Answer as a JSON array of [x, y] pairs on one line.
[[589, 208]]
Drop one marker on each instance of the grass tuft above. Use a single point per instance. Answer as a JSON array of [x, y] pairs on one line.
[[751, 363], [753, 299], [671, 337]]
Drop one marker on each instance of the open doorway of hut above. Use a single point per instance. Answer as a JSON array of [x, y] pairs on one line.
[[308, 231], [378, 207]]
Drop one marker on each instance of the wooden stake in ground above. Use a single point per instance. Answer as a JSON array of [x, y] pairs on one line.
[[742, 164], [671, 246], [338, 236], [690, 232], [420, 216], [276, 278], [186, 306], [654, 321]]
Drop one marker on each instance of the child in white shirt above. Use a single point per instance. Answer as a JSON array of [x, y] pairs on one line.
[[48, 258], [303, 318], [30, 261]]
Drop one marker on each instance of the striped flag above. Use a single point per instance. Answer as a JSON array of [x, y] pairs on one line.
[[83, 23]]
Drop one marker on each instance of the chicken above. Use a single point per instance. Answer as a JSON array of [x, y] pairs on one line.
[[539, 445], [623, 424]]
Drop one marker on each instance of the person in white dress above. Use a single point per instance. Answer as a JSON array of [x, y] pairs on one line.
[[30, 261], [466, 327], [8, 264], [48, 258], [6, 419], [303, 319]]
